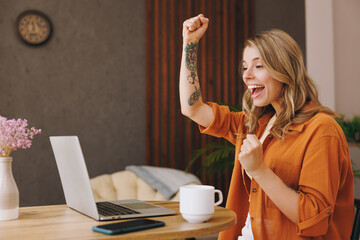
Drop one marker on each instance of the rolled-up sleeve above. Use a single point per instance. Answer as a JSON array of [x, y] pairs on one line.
[[225, 123], [323, 164]]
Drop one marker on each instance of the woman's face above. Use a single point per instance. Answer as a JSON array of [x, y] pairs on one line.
[[264, 89]]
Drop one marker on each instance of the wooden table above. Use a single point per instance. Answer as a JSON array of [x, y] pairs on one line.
[[61, 222]]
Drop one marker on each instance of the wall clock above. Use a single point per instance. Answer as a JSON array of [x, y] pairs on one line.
[[34, 27]]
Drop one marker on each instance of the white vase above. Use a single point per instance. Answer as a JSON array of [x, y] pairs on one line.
[[9, 193]]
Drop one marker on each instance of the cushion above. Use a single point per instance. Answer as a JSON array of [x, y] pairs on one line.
[[125, 185]]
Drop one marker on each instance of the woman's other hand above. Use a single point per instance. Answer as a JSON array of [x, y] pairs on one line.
[[251, 155], [194, 28]]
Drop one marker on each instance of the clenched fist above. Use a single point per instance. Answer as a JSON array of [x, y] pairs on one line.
[[251, 154], [194, 28]]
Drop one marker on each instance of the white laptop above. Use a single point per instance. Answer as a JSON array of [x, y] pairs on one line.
[[78, 192]]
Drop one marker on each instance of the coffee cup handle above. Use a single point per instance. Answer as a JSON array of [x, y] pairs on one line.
[[220, 197]]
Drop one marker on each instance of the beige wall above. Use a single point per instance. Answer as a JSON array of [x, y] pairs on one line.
[[347, 65], [320, 48], [347, 53], [332, 40]]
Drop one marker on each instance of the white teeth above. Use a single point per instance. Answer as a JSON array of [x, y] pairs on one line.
[[255, 86]]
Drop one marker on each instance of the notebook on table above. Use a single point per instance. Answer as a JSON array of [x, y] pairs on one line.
[[78, 192]]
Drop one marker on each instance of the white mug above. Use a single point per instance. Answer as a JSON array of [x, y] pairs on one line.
[[197, 202]]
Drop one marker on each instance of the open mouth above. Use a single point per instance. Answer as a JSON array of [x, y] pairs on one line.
[[256, 90]]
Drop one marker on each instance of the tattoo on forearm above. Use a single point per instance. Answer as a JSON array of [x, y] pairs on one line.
[[192, 78], [191, 56], [191, 50], [194, 96]]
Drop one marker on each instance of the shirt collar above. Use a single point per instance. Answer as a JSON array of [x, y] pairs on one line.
[[293, 127], [297, 127], [265, 119]]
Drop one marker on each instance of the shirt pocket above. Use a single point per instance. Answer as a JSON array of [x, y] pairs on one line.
[[289, 173]]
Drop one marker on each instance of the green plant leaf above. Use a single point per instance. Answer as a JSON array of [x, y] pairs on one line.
[[219, 157], [356, 173], [351, 128]]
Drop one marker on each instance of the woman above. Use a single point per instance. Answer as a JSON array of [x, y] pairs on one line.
[[292, 177]]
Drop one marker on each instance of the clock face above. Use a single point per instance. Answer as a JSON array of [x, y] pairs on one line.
[[34, 27]]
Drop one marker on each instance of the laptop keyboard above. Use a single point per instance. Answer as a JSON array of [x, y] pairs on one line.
[[111, 209]]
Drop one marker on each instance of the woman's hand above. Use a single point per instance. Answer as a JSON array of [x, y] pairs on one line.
[[251, 155], [194, 28]]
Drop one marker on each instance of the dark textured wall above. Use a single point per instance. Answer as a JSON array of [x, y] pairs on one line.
[[88, 80], [288, 16]]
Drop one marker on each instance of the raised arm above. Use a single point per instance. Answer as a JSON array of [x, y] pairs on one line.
[[191, 101]]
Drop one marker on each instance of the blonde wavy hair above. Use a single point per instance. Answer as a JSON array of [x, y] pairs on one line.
[[282, 58]]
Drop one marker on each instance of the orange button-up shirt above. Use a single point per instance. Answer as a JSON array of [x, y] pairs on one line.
[[313, 160]]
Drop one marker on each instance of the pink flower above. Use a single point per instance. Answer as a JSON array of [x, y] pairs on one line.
[[14, 134]]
